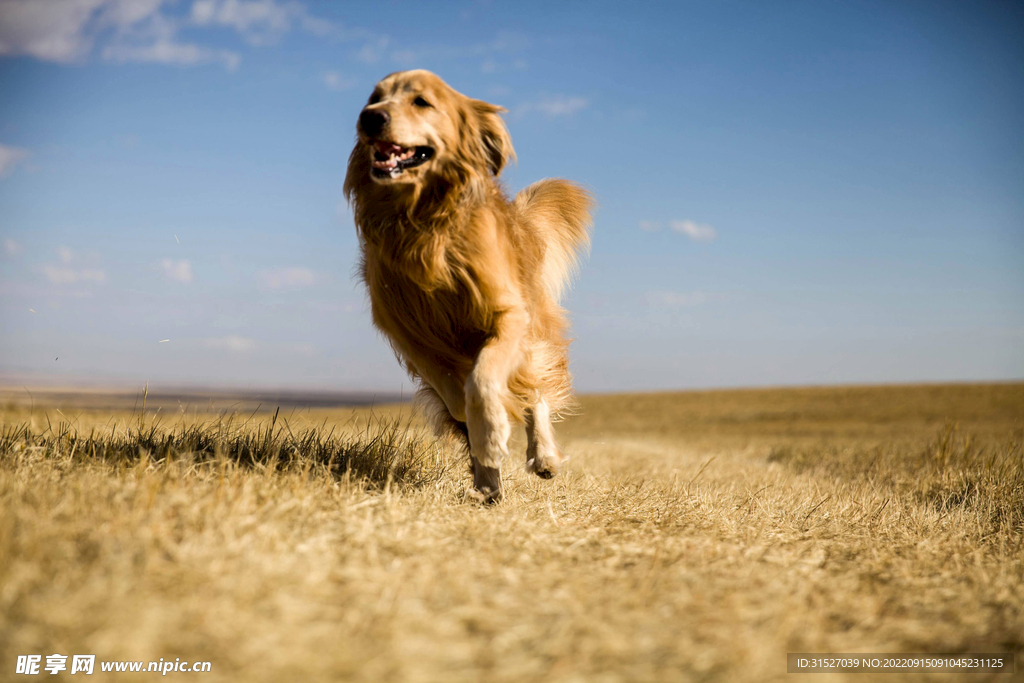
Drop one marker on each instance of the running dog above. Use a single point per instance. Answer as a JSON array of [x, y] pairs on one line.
[[464, 282]]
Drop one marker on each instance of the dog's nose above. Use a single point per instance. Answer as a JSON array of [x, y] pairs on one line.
[[372, 121]]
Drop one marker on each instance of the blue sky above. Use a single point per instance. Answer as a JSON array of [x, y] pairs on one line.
[[790, 193]]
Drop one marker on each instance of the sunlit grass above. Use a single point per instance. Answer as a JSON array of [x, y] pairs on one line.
[[734, 527], [951, 472], [383, 450]]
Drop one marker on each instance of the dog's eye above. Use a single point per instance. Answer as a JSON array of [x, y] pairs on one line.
[[420, 102], [375, 98]]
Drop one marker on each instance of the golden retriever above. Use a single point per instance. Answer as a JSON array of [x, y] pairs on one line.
[[464, 282]]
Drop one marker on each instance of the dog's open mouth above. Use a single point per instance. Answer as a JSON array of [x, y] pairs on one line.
[[390, 160]]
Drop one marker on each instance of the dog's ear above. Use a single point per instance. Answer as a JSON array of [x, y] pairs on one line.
[[494, 140]]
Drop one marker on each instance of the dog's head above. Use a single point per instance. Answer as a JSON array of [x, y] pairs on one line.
[[415, 126]]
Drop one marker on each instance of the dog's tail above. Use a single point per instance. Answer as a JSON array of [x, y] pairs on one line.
[[561, 213]]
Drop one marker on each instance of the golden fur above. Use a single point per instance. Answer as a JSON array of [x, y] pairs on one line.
[[464, 283]]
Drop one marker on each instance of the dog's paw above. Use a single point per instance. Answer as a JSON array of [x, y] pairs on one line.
[[485, 497], [486, 484], [544, 469]]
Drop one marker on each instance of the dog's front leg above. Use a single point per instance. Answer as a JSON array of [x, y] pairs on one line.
[[486, 394], [543, 457]]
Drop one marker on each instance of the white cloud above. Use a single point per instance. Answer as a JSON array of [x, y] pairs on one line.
[[65, 276], [128, 12], [323, 27], [166, 51], [65, 31], [11, 247], [287, 278], [557, 105], [154, 39], [179, 271], [232, 343], [260, 22], [10, 157], [242, 15], [139, 31], [698, 232], [682, 299], [335, 81], [406, 58], [373, 50], [52, 31], [307, 350], [503, 47]]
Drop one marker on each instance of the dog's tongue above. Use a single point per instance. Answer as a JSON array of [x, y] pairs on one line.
[[388, 148]]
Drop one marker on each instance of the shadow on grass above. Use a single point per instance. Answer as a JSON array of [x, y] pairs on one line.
[[950, 473], [387, 450]]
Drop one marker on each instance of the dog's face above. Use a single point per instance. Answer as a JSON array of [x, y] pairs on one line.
[[415, 124]]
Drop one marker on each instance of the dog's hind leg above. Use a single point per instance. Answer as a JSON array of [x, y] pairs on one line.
[[543, 457], [439, 415]]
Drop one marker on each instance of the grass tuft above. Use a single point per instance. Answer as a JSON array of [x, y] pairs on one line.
[[387, 450], [950, 472]]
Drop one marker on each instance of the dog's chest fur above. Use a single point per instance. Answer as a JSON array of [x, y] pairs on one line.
[[424, 298]]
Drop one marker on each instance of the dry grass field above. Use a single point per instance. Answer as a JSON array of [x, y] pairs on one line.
[[694, 536]]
